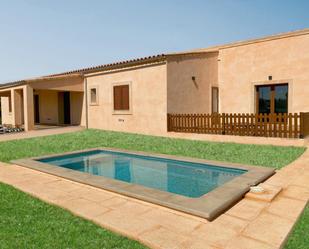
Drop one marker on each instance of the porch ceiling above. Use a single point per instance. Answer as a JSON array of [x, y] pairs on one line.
[[5, 93], [74, 83]]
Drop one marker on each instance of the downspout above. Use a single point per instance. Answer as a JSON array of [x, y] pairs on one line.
[[86, 101]]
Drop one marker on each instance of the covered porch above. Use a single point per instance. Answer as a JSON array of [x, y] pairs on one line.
[[54, 101]]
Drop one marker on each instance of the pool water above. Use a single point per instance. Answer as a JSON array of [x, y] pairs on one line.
[[179, 177]]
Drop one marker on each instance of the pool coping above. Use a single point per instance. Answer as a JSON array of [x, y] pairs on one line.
[[208, 206]]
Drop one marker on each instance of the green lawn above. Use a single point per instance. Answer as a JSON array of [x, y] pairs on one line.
[[26, 222], [269, 156]]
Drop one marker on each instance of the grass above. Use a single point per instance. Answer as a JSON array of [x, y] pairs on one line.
[[300, 236], [263, 155], [26, 222]]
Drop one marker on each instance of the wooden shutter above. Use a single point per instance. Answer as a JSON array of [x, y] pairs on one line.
[[121, 97], [125, 97], [117, 97]]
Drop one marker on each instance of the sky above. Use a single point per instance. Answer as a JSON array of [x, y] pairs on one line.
[[39, 37]]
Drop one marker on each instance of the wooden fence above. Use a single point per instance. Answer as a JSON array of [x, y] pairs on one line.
[[292, 125]]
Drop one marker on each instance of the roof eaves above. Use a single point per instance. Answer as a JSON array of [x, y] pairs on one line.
[[83, 71], [12, 84], [109, 66], [43, 78]]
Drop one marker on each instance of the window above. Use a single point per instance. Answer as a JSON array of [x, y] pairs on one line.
[[214, 99], [272, 98], [121, 98], [94, 96]]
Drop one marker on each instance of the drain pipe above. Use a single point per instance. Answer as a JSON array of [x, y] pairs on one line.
[[86, 100]]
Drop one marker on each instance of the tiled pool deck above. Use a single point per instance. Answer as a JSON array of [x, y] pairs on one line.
[[257, 221], [207, 206]]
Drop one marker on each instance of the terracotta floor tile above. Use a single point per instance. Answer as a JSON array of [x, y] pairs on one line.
[[286, 207], [269, 228], [231, 222], [30, 186], [47, 194], [214, 234], [197, 243], [64, 185], [171, 221], [284, 177], [95, 195], [11, 178], [296, 192], [132, 208], [302, 181], [247, 209], [164, 238], [40, 180], [5, 168], [114, 202], [241, 242], [83, 207], [125, 223]]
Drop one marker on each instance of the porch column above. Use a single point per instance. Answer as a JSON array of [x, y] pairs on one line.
[[17, 107], [12, 106], [28, 108]]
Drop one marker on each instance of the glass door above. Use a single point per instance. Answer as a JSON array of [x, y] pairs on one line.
[[281, 99], [264, 99], [272, 98]]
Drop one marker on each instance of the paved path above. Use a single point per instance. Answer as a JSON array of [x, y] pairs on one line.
[[239, 139], [40, 133], [46, 130], [252, 223]]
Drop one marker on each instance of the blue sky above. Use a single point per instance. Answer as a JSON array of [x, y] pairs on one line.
[[40, 37]]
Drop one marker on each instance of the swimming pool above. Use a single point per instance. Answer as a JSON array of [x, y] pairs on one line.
[[184, 178], [195, 186]]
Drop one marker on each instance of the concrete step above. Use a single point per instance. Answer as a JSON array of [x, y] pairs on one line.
[[267, 195]]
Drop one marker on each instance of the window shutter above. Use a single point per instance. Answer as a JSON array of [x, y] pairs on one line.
[[121, 97], [125, 97], [117, 97]]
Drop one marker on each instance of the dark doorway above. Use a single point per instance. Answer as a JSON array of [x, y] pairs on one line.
[[36, 109], [64, 108]]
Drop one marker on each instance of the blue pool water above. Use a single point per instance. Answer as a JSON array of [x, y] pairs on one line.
[[178, 177]]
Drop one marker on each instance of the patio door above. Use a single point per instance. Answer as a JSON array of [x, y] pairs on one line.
[[272, 98]]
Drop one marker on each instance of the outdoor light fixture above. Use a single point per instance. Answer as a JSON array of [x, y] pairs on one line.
[[193, 78]]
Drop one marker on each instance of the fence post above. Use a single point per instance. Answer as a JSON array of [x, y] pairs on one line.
[[304, 124], [223, 123], [168, 122], [301, 124]]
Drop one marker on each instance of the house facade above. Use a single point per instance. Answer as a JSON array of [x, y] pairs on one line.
[[267, 75]]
